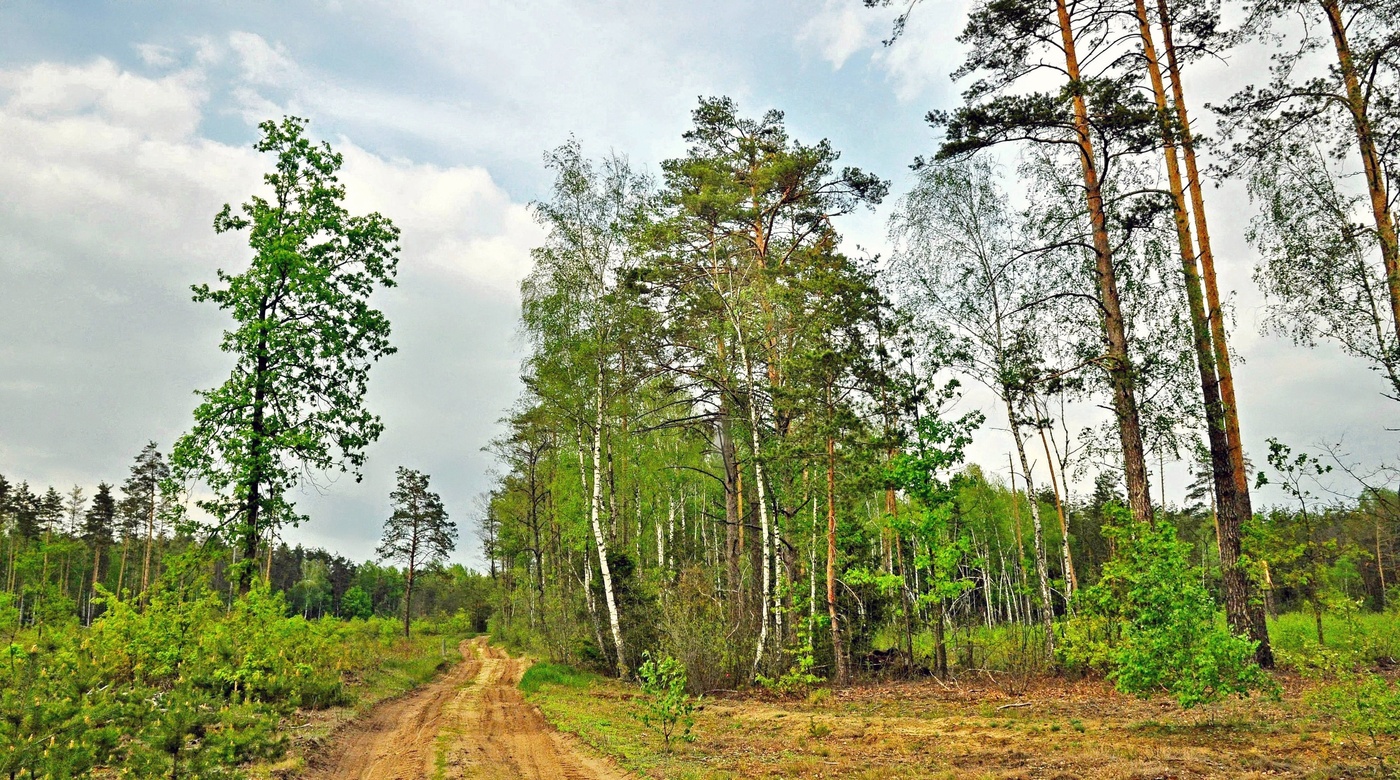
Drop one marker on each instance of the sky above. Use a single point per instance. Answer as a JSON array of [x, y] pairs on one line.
[[127, 125]]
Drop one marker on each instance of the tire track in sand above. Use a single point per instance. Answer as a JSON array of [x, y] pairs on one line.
[[474, 716]]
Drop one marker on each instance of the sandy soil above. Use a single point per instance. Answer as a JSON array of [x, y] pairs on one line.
[[471, 723]]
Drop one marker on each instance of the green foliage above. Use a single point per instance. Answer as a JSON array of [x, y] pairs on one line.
[[542, 673], [667, 706], [1170, 637], [304, 340], [1363, 705], [1352, 639], [177, 684], [356, 604], [799, 679]]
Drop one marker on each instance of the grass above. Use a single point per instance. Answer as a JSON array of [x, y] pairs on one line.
[[1365, 638], [542, 673], [923, 729]]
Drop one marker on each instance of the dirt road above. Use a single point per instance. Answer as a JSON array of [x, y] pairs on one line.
[[471, 723]]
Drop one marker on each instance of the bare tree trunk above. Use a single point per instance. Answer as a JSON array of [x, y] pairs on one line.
[[732, 520], [1066, 557], [1042, 568], [1376, 185], [1116, 361], [767, 561], [598, 538], [837, 648], [1247, 614]]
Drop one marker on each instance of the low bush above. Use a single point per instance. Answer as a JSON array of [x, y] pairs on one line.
[[552, 674]]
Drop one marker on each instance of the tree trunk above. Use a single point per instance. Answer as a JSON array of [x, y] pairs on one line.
[[598, 537], [837, 649], [1042, 568], [1066, 557], [408, 600], [1246, 613], [1116, 360], [732, 520], [150, 541], [1376, 185]]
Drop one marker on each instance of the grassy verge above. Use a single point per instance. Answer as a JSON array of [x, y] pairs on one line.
[[1058, 728]]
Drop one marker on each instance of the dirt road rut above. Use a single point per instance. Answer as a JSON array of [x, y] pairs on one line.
[[471, 723]]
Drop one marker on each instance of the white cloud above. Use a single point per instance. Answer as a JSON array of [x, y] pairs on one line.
[[263, 63], [106, 203], [841, 29], [918, 64], [455, 220], [156, 56]]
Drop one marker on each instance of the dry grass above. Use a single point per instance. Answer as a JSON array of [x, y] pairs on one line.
[[1057, 729]]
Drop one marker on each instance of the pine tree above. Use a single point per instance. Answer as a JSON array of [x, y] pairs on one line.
[[417, 534], [145, 503]]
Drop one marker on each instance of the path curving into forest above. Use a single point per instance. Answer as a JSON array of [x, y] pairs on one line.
[[471, 723]]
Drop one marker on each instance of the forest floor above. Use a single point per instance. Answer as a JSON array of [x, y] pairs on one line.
[[471, 722], [1054, 728]]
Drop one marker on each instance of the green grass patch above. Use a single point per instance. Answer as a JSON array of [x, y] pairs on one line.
[[543, 673]]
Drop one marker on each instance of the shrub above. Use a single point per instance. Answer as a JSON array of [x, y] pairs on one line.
[[1170, 634], [1365, 705], [667, 705]]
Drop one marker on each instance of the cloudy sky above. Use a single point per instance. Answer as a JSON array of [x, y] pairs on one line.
[[127, 125]]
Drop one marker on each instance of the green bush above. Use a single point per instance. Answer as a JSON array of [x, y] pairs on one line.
[[667, 706], [552, 674], [1169, 636]]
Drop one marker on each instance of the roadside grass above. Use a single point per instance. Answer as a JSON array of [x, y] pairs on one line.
[[543, 673], [1057, 728]]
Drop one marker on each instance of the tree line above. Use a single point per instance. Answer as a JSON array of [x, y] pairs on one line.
[[744, 445]]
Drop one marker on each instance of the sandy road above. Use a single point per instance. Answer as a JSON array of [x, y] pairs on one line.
[[471, 723]]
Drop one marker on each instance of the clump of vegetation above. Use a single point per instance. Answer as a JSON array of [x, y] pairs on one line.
[[176, 684], [1367, 708], [667, 707], [552, 674], [1169, 636]]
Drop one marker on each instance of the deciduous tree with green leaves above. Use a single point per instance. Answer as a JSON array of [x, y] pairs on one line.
[[304, 339]]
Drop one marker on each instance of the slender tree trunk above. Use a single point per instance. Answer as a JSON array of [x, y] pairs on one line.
[[150, 541], [1247, 614], [1066, 557], [121, 569], [766, 608], [598, 537], [837, 648], [1042, 568], [408, 600], [1380, 566], [1376, 185], [1117, 364], [732, 519]]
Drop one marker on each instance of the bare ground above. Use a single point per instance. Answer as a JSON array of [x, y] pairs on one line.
[[471, 723]]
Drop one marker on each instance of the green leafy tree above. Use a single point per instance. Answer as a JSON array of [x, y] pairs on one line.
[[304, 341], [1171, 638], [667, 706], [1295, 543], [418, 533], [356, 604]]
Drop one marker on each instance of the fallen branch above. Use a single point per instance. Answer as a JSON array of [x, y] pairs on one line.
[[1017, 704]]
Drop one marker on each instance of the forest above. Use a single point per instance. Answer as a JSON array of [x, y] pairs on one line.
[[739, 473]]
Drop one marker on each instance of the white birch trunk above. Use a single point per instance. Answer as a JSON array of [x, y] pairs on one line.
[[598, 538]]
